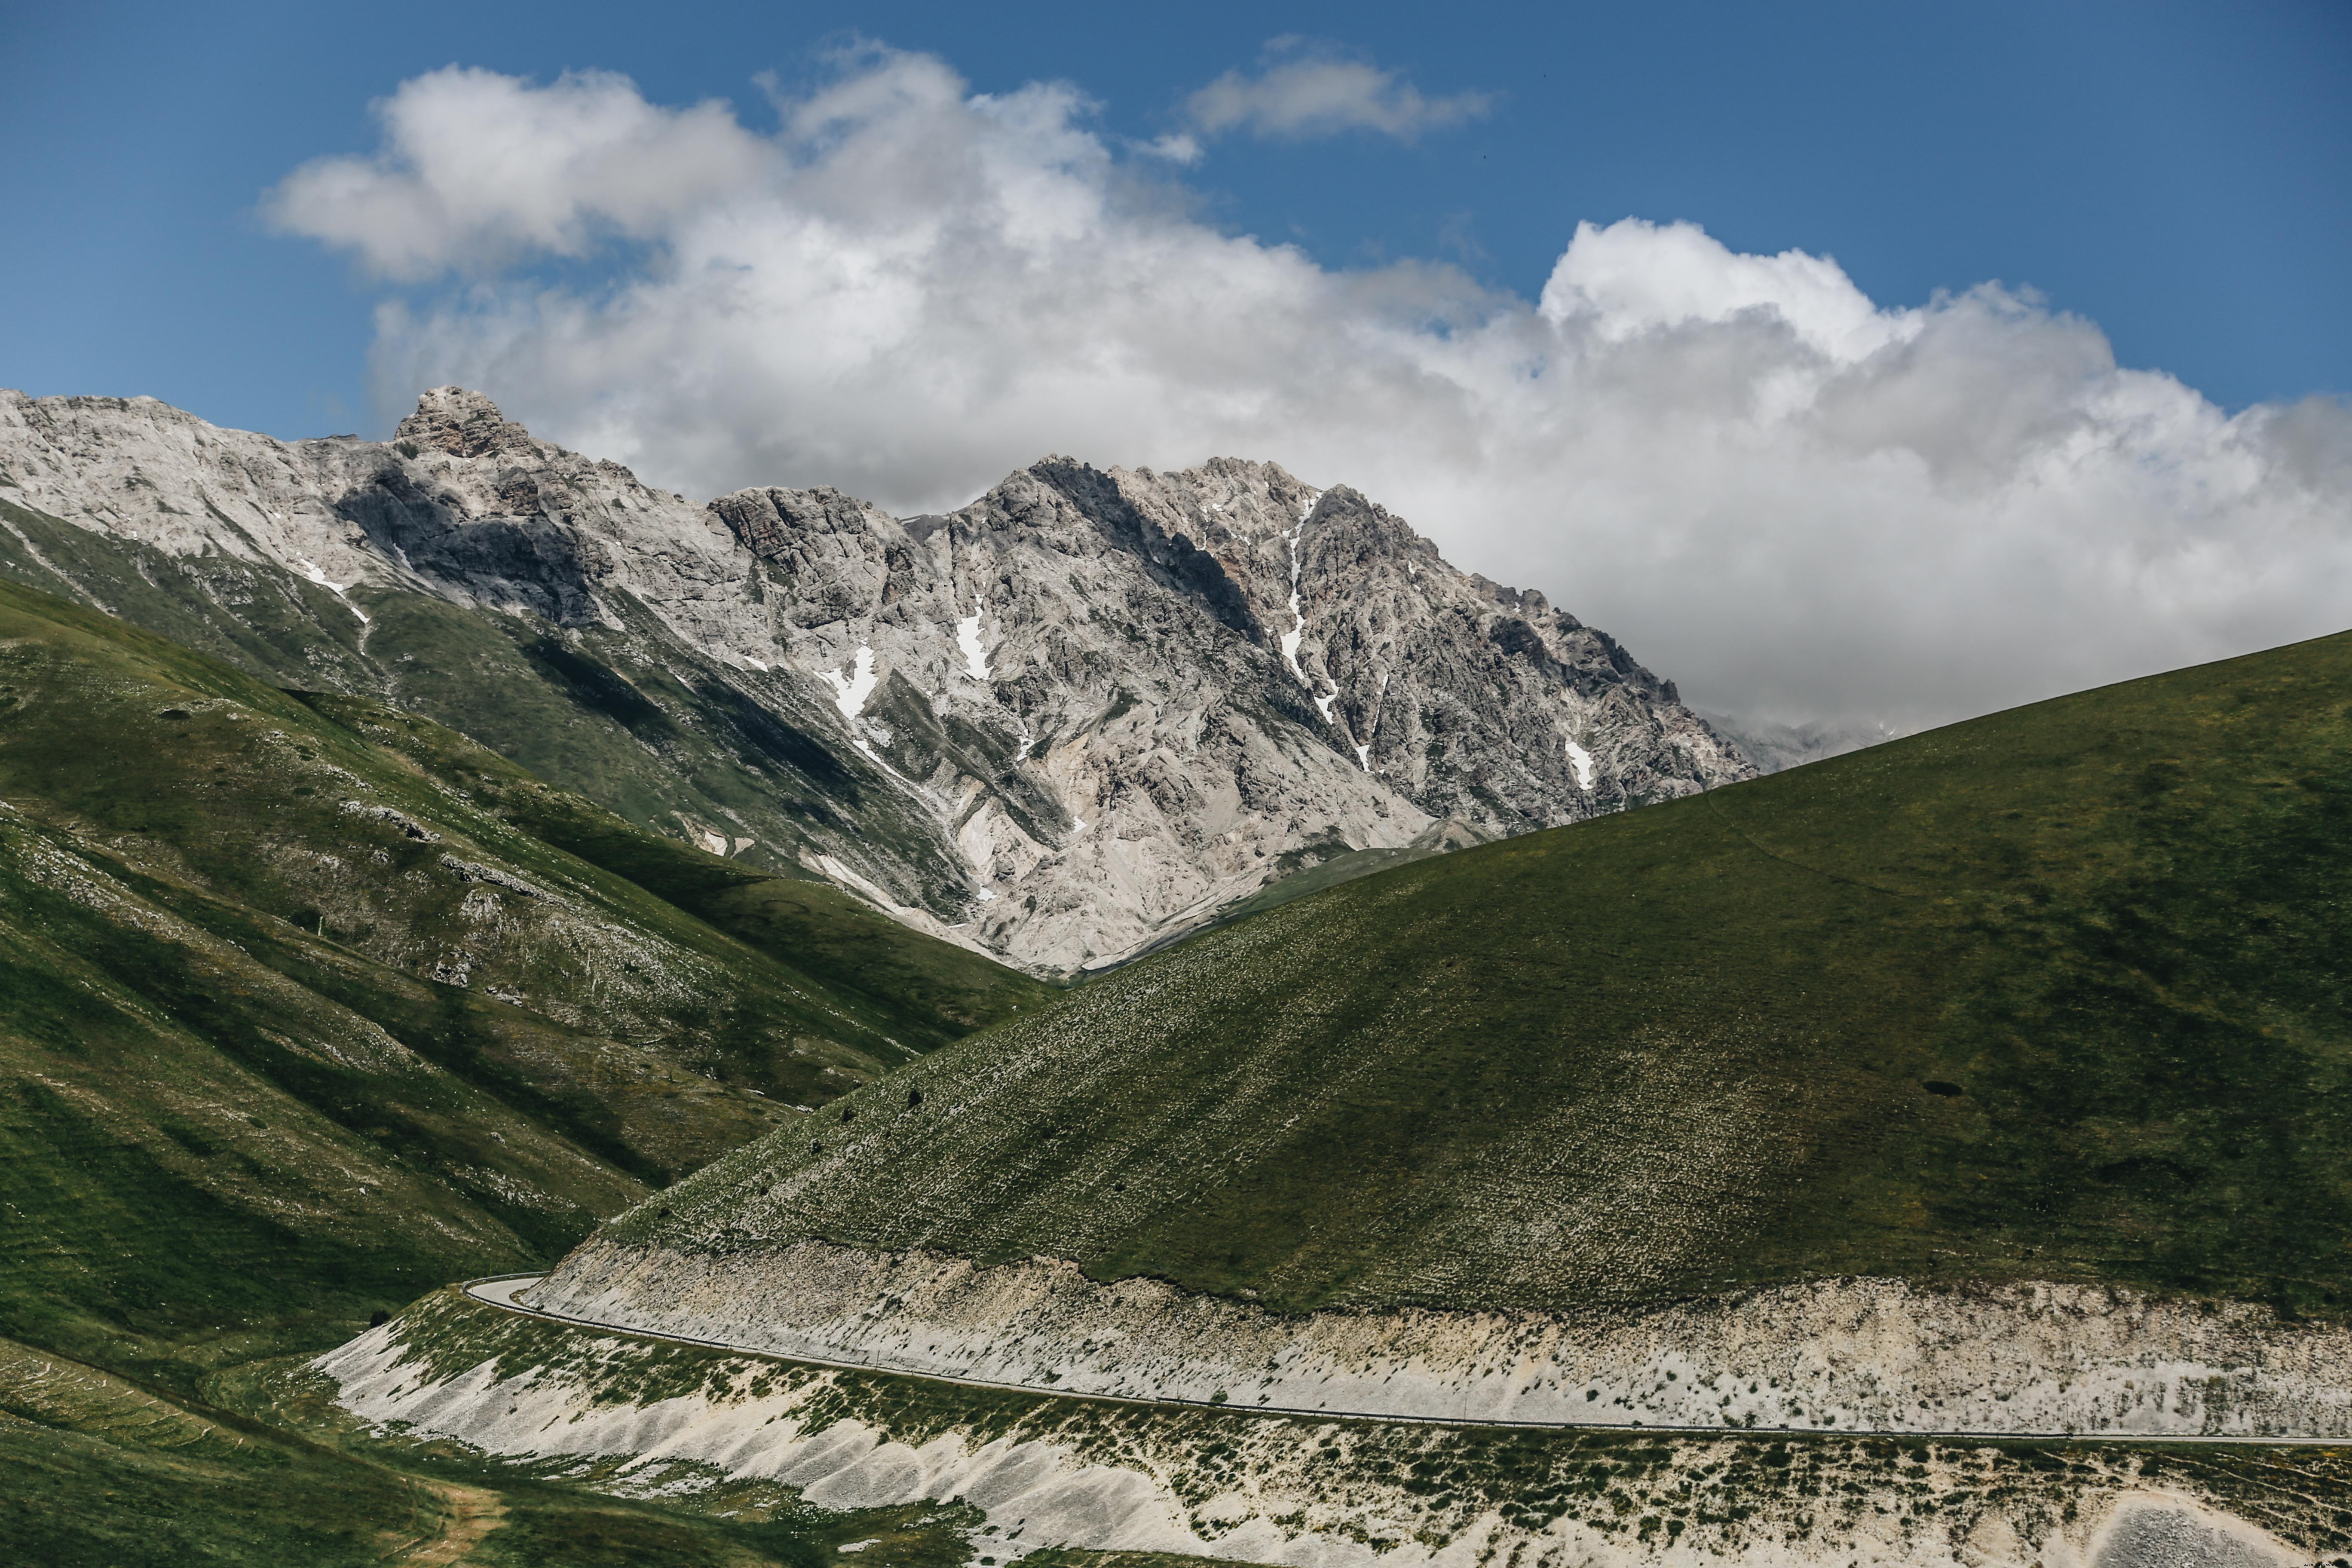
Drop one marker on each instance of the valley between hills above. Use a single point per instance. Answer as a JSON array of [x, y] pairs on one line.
[[1146, 1019]]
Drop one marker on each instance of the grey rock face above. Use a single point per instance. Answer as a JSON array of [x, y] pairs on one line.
[[1112, 756], [605, 633], [1082, 713], [1475, 701]]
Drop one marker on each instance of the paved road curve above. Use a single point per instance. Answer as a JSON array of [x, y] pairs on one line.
[[501, 1292]]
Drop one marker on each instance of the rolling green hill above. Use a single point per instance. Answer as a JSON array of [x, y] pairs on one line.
[[2058, 994], [307, 1004]]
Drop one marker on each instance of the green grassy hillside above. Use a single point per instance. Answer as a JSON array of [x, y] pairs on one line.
[[2056, 993], [307, 1006]]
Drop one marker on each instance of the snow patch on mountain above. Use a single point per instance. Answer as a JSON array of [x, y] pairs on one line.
[[311, 569], [851, 690], [975, 659]]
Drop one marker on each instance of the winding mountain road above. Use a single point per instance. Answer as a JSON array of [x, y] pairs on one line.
[[500, 1291]]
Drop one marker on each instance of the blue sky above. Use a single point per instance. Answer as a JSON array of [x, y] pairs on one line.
[[1856, 362], [2179, 174]]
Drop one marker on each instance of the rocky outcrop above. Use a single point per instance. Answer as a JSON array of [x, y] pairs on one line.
[[1115, 755], [1061, 724], [1872, 1356], [584, 625]]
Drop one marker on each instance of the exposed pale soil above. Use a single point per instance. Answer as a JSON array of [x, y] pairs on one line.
[[1846, 1355], [1320, 1493]]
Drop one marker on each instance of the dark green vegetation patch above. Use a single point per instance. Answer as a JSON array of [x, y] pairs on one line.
[[2055, 994]]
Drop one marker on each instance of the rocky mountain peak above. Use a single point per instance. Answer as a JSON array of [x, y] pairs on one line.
[[462, 423]]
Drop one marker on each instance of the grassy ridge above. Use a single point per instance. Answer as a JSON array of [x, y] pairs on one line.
[[2058, 992], [102, 1472], [308, 1005]]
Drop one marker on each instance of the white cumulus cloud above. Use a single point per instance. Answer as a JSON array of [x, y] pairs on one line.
[[1300, 92], [1797, 502], [487, 168]]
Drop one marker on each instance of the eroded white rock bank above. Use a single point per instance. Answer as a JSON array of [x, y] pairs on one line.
[[1851, 1354], [1320, 1493]]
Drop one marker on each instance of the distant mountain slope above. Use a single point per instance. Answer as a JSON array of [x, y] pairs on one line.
[[2058, 995], [306, 1003], [1067, 721], [1775, 747]]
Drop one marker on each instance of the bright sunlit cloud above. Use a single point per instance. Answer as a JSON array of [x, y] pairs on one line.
[[1797, 502]]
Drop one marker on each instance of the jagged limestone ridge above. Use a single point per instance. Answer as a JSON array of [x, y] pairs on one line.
[[1079, 716]]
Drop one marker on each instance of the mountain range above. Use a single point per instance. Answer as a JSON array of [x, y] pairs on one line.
[[1086, 713]]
